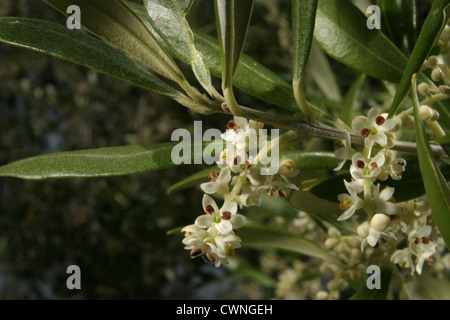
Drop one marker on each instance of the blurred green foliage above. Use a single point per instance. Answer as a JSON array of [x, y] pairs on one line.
[[114, 229]]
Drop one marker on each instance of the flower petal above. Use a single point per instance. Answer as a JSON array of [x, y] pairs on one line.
[[204, 221], [208, 201]]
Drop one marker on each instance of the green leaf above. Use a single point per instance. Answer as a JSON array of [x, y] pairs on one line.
[[114, 23], [312, 204], [409, 187], [281, 239], [77, 47], [103, 162], [166, 20], [250, 76], [323, 75], [375, 294], [253, 78], [342, 33], [351, 100], [429, 287], [303, 20], [193, 180], [436, 186], [233, 18], [399, 22], [311, 160], [427, 37]]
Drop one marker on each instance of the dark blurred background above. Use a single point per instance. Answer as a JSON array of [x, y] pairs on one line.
[[114, 229]]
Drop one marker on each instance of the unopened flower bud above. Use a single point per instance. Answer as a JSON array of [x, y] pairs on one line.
[[380, 222], [398, 124], [363, 229], [330, 243], [322, 295], [288, 168], [435, 116], [408, 122], [436, 75], [432, 62], [256, 125], [342, 248], [425, 112], [256, 178], [333, 232], [444, 89], [423, 89]]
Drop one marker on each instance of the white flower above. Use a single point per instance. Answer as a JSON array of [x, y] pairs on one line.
[[224, 220], [362, 168], [403, 259], [382, 201], [276, 187], [373, 128], [242, 134], [233, 161], [374, 233], [343, 151], [350, 202], [222, 248], [393, 167], [421, 245], [195, 240], [288, 168], [250, 196], [218, 183]]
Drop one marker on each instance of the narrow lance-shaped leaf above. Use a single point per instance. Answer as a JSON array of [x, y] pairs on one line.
[[323, 75], [103, 162], [342, 33], [427, 37], [166, 20], [436, 186], [193, 180], [113, 22], [253, 78], [281, 239], [233, 18], [399, 22], [303, 20], [80, 48], [351, 100]]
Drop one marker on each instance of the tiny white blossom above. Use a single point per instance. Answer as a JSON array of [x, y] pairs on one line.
[[276, 186], [350, 202], [421, 245], [393, 167], [373, 128], [218, 183], [195, 239], [224, 220], [371, 234], [242, 134], [383, 201], [403, 259], [288, 168], [250, 196], [343, 151], [362, 168], [222, 248]]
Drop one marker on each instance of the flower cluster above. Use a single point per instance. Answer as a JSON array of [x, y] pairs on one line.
[[242, 176], [400, 233]]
